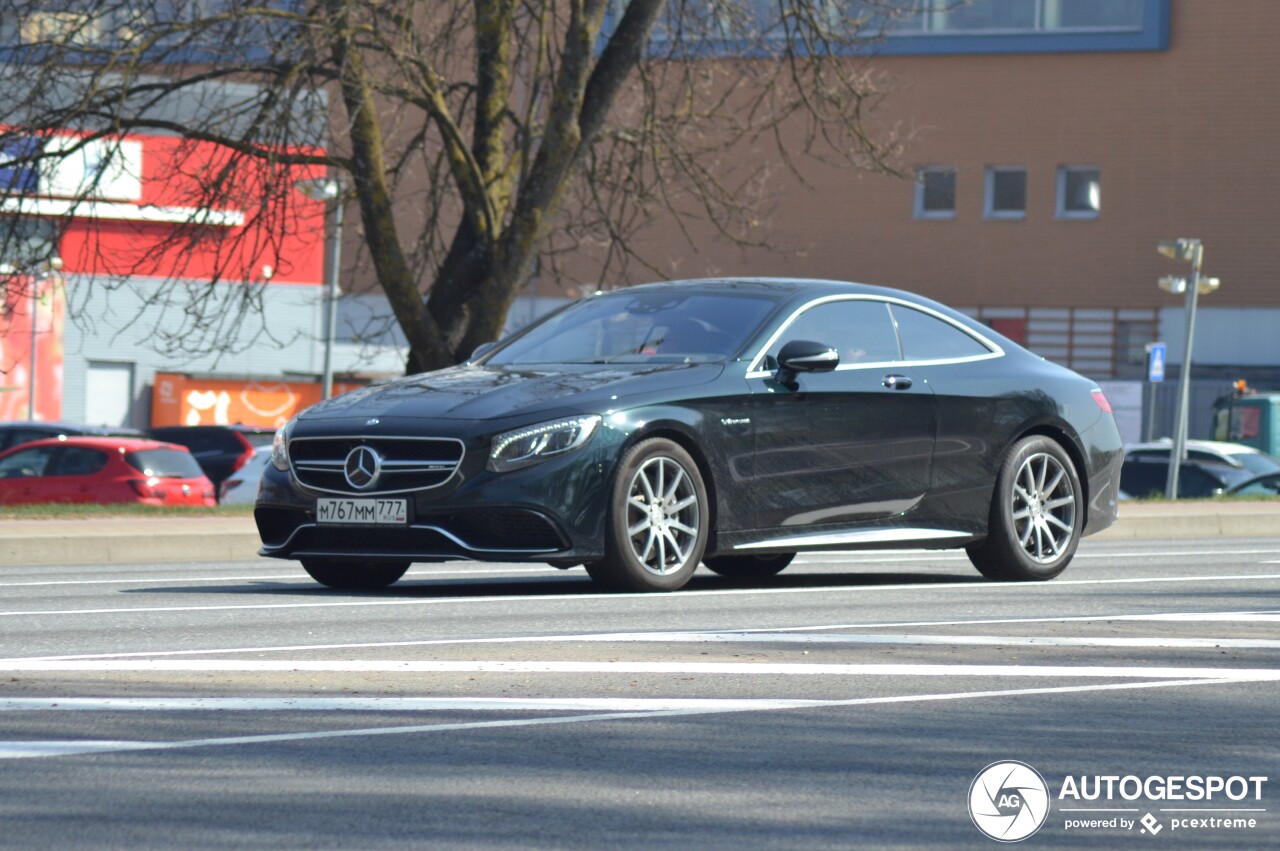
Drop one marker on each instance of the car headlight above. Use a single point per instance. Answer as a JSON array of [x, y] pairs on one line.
[[280, 446], [535, 444]]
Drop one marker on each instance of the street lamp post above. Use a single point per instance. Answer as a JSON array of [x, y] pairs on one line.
[[328, 190], [1188, 251]]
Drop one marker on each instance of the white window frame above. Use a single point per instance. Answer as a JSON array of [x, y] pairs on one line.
[[989, 194], [1076, 215], [920, 211]]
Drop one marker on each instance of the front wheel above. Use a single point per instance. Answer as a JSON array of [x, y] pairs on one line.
[[1036, 514], [658, 520], [354, 575], [749, 568]]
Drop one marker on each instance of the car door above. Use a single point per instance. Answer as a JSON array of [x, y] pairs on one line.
[[976, 415], [72, 475], [843, 447], [23, 475]]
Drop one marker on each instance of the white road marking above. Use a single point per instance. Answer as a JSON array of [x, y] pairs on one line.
[[851, 556], [389, 704], [686, 594], [951, 555], [29, 749], [606, 637], [471, 666], [946, 640], [299, 576]]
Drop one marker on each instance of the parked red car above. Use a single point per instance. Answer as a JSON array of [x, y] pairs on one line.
[[102, 470]]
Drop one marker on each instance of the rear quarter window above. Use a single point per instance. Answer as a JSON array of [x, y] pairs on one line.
[[926, 337]]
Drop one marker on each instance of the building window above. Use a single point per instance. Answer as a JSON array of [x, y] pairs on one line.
[[760, 28], [935, 193], [1017, 16], [1006, 192], [1079, 192], [1019, 26]]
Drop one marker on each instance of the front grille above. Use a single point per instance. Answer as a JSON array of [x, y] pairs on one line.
[[408, 463]]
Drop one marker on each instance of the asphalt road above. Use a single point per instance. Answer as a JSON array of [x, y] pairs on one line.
[[852, 704]]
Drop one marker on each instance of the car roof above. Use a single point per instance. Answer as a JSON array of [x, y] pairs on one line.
[[1219, 447], [253, 429], [794, 292], [775, 286], [128, 444], [55, 425]]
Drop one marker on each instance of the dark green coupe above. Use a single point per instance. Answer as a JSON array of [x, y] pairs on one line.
[[731, 423]]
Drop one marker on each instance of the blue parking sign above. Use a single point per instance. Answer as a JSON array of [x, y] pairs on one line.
[[1155, 362]]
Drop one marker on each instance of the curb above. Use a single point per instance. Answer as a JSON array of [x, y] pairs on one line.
[[211, 539], [1199, 519], [127, 540]]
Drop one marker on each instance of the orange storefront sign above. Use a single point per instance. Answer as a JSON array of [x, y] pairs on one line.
[[185, 400]]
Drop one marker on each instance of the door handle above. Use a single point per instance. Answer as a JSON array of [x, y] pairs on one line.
[[896, 382]]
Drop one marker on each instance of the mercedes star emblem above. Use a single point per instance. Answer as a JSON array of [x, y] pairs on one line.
[[362, 467]]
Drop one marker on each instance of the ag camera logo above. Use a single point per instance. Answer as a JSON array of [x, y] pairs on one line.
[[1008, 801]]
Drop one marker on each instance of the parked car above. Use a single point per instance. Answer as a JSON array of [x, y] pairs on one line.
[[732, 422], [220, 450], [102, 470], [14, 432], [242, 487], [1212, 468]]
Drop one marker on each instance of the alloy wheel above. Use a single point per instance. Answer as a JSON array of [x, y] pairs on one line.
[[662, 515], [1044, 508]]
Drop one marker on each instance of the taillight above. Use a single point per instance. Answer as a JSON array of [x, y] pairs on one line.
[[244, 456], [1101, 399], [242, 460], [146, 489]]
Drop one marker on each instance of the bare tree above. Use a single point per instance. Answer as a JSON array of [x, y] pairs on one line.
[[479, 138]]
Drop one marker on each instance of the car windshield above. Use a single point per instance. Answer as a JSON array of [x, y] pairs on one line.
[[164, 463], [656, 326]]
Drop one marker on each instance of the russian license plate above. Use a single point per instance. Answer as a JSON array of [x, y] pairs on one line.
[[363, 512]]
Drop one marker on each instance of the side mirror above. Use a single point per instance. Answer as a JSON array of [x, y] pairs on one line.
[[808, 356], [805, 356], [482, 350]]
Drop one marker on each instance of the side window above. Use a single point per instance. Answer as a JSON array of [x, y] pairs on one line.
[[79, 461], [27, 463], [926, 337], [861, 331]]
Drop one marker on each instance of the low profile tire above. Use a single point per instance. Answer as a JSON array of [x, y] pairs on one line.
[[354, 575], [750, 568], [1037, 513], [658, 520]]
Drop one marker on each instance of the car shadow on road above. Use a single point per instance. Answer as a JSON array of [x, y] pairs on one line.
[[572, 582]]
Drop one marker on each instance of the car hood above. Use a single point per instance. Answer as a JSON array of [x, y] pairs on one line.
[[477, 392]]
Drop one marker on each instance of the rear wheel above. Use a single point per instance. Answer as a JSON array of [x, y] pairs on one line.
[[749, 568], [658, 520], [354, 575], [1036, 514]]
